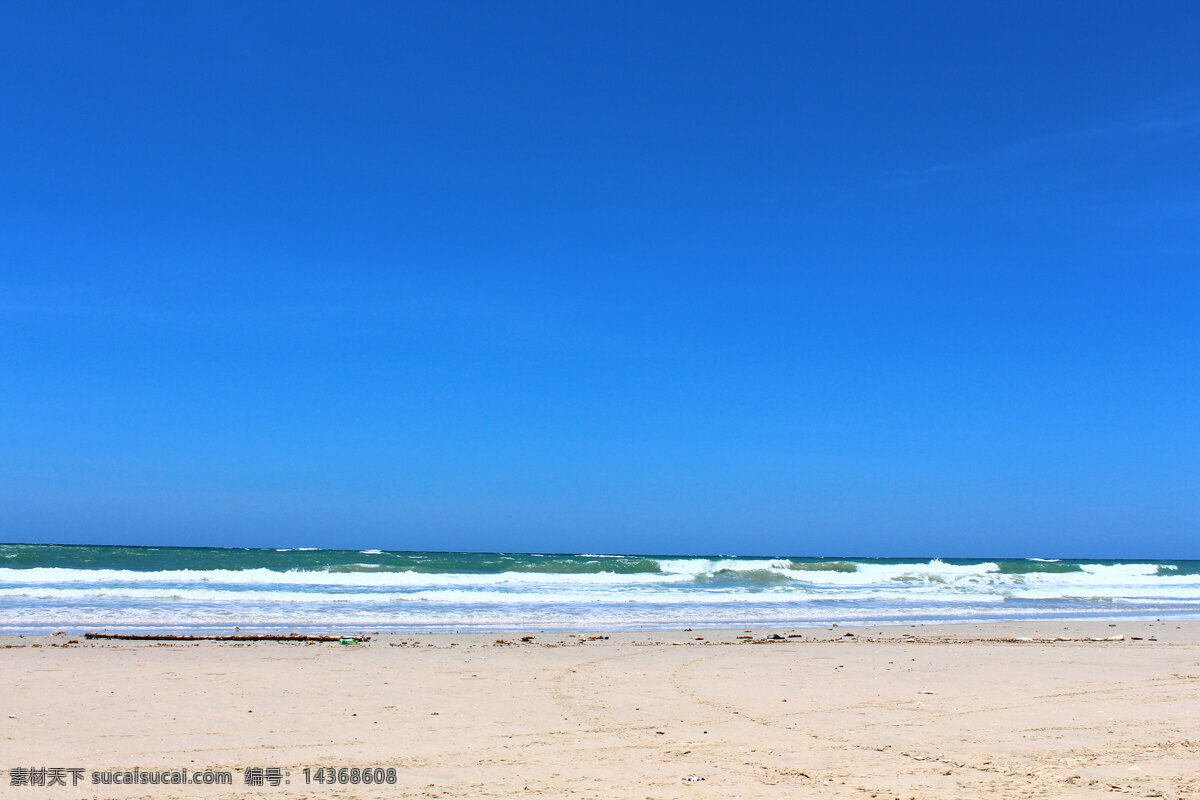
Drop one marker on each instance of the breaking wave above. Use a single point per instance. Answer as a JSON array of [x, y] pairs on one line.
[[198, 589]]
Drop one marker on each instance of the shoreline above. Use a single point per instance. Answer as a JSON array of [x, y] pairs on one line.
[[1048, 631], [989, 630]]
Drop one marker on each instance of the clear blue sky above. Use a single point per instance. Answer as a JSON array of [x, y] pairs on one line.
[[777, 278]]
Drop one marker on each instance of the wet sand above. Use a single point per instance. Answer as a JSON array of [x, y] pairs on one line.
[[1045, 710]]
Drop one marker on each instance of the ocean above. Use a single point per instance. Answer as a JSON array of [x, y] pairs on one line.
[[45, 588]]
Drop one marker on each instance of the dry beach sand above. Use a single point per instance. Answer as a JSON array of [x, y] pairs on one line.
[[996, 710]]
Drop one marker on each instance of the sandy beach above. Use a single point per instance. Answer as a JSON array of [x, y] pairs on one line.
[[1003, 710]]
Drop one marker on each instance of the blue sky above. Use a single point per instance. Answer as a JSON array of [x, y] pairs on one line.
[[781, 278]]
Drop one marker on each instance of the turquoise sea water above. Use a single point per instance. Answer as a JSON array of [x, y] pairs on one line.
[[145, 589]]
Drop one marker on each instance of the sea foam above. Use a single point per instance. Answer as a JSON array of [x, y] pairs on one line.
[[140, 588]]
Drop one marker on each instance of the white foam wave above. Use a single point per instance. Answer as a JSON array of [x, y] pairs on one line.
[[61, 575], [681, 581], [482, 597], [985, 578]]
